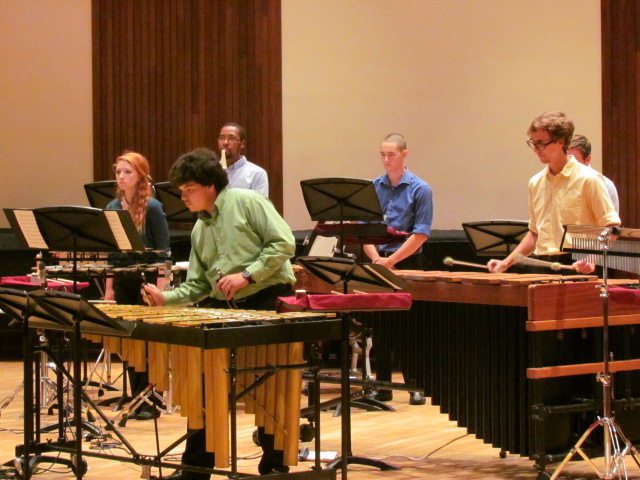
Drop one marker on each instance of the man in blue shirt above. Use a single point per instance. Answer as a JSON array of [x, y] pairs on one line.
[[407, 206]]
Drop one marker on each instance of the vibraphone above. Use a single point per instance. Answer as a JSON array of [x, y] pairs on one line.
[[486, 347], [212, 352], [199, 340]]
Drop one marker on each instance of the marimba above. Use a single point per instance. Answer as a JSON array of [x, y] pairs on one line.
[[199, 340], [486, 347]]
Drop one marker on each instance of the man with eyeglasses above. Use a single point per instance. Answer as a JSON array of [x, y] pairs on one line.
[[565, 192], [241, 172]]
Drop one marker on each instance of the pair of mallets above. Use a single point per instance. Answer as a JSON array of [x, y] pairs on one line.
[[519, 259]]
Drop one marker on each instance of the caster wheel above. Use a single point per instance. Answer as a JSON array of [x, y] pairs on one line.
[[83, 466], [307, 432], [100, 392], [255, 437], [503, 454], [18, 464]]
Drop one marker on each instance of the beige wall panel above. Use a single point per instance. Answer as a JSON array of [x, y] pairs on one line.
[[461, 79], [45, 119]]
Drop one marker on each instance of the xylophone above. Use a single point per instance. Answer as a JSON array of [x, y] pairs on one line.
[[196, 344], [485, 348]]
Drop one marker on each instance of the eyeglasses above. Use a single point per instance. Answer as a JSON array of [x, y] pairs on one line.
[[539, 145], [230, 138]]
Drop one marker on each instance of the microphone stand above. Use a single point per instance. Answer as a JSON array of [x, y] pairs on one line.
[[616, 445]]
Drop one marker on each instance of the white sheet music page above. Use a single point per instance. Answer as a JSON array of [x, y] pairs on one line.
[[29, 227], [118, 229]]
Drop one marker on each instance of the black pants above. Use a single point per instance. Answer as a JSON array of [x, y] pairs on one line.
[[126, 289], [385, 356], [194, 452]]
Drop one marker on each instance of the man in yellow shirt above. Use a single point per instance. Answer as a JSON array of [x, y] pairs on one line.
[[565, 192]]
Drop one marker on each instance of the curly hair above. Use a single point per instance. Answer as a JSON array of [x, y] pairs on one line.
[[200, 166], [557, 124], [138, 205]]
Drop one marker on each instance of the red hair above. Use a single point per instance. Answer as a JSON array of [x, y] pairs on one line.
[[138, 205]]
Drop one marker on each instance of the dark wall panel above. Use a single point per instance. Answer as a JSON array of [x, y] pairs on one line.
[[167, 74], [621, 102]]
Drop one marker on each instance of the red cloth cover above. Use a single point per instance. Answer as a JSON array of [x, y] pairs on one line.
[[624, 296], [352, 302], [25, 281]]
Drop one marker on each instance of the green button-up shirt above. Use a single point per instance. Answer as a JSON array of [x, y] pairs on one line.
[[244, 232]]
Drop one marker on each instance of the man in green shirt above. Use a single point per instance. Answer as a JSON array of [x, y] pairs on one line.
[[240, 251]]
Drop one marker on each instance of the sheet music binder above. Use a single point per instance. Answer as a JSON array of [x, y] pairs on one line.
[[75, 229], [16, 304], [335, 269], [174, 207], [495, 237], [69, 308], [100, 194], [55, 310], [341, 199]]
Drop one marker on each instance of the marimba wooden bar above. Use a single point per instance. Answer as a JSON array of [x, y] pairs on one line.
[[499, 353]]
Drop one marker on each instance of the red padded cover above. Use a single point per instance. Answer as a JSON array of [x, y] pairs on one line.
[[23, 281], [351, 302], [624, 296]]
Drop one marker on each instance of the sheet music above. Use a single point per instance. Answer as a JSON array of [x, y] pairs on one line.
[[323, 247], [29, 229], [118, 229]]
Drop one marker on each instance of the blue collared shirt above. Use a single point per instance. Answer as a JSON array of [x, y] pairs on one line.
[[244, 174], [407, 207]]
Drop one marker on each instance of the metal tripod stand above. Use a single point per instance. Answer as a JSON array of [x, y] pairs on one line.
[[616, 445]]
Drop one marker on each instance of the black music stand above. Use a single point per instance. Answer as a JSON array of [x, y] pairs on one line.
[[75, 229], [334, 270], [73, 313], [49, 310], [100, 194], [174, 208], [495, 237], [17, 305], [341, 200]]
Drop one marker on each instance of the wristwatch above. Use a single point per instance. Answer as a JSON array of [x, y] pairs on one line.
[[246, 274]]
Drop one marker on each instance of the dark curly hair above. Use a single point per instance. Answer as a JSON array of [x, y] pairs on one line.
[[200, 166]]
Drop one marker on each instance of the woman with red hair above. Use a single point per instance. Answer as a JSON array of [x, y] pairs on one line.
[[134, 194]]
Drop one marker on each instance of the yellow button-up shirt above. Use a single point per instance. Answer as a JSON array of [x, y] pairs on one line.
[[575, 196]]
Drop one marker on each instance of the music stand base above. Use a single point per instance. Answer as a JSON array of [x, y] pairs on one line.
[[369, 462], [616, 449], [89, 427], [37, 459], [373, 405]]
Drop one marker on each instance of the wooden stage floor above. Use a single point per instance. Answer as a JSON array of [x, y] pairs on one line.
[[417, 439]]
